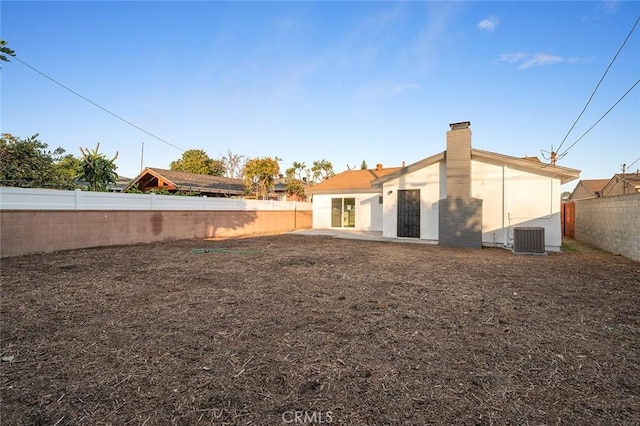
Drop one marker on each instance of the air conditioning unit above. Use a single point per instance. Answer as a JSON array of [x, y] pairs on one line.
[[528, 240]]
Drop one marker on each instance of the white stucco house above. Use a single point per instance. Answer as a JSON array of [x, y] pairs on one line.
[[459, 197]]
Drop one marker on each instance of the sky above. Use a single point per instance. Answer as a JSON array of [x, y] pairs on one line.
[[342, 81]]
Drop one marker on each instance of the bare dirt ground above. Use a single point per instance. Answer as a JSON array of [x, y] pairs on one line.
[[297, 329]]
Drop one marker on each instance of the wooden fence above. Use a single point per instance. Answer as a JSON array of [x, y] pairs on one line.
[[568, 220]]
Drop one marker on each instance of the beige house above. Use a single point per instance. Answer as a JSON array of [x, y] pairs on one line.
[[619, 184], [588, 188], [622, 184]]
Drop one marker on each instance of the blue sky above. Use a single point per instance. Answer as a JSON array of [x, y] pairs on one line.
[[342, 81]]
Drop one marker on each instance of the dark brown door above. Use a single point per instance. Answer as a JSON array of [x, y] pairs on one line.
[[409, 213]]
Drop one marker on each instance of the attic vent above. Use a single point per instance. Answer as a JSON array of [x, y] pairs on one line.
[[528, 240]]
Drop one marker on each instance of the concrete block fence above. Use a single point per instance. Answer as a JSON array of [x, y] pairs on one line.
[[610, 223], [41, 221]]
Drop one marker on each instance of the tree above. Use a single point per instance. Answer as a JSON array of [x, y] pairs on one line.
[[363, 166], [5, 52], [27, 163], [260, 173], [69, 168], [233, 164], [97, 170], [197, 161], [322, 170], [297, 170], [294, 178]]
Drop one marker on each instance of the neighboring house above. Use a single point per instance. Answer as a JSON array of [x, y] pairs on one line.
[[619, 184], [280, 193], [173, 181], [460, 197], [622, 184], [121, 184], [588, 188]]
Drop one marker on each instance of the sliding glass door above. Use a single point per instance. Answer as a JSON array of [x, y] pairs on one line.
[[343, 212]]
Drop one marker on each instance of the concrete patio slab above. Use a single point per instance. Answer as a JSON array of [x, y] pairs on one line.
[[359, 235]]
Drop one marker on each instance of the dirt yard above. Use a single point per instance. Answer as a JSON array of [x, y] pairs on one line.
[[299, 329]]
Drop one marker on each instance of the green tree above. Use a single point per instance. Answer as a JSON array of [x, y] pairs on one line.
[[297, 170], [197, 161], [27, 163], [97, 170], [294, 180], [363, 166], [322, 170], [69, 169], [260, 174], [5, 52]]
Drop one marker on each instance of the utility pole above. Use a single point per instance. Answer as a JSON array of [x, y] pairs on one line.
[[142, 158]]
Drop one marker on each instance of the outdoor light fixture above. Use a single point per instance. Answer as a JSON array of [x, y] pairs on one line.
[[389, 193]]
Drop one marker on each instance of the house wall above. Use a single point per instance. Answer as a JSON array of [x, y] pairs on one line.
[[368, 211], [611, 223], [516, 198], [581, 192], [618, 186], [510, 198], [431, 181]]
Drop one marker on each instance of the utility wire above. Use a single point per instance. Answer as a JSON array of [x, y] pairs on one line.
[[594, 124], [629, 166], [598, 85], [96, 105]]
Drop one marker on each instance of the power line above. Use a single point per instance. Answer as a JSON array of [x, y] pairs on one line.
[[594, 124], [637, 159], [598, 85], [96, 105]]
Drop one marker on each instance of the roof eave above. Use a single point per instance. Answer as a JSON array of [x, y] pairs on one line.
[[345, 191], [564, 174], [425, 162]]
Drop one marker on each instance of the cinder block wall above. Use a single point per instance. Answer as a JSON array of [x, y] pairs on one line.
[[610, 223], [43, 231]]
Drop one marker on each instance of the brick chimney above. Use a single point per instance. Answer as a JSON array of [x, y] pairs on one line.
[[378, 167], [459, 160], [460, 215]]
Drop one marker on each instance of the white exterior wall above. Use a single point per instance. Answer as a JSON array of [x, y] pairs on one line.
[[510, 198], [368, 211], [432, 185], [516, 198]]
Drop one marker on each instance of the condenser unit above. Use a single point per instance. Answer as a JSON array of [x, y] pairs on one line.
[[528, 240]]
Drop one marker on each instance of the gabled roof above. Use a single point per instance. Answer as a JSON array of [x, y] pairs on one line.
[[588, 188], [630, 182], [408, 169], [351, 181], [529, 164], [594, 185], [184, 181]]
